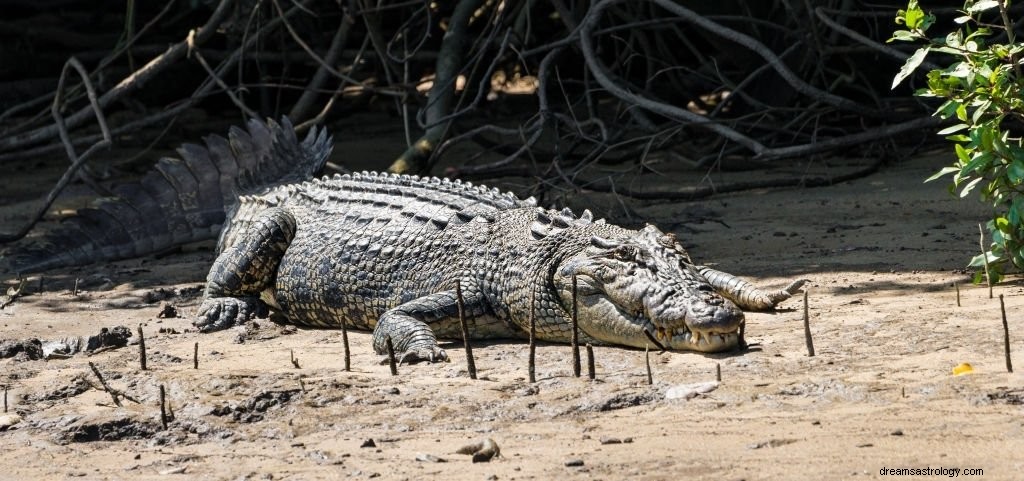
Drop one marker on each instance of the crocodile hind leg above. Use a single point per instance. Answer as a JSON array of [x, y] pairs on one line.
[[243, 271], [411, 325], [746, 295]]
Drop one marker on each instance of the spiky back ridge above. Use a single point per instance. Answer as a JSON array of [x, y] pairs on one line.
[[381, 203], [180, 200]]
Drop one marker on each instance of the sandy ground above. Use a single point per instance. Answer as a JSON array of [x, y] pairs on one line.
[[882, 254]]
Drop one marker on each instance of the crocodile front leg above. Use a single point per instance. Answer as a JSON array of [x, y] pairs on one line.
[[411, 325], [243, 271], [746, 295]]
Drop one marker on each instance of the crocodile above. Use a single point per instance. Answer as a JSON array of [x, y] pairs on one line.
[[394, 254]]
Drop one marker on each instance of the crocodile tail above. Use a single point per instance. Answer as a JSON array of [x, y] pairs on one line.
[[180, 200]]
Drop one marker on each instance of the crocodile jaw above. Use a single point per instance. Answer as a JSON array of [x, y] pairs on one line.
[[600, 318]]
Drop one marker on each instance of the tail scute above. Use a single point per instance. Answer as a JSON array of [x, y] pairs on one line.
[[180, 200]]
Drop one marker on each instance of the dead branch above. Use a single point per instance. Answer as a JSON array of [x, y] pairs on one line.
[[454, 48], [76, 161], [127, 85]]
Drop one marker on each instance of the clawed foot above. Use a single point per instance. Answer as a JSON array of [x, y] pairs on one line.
[[218, 313], [414, 355]]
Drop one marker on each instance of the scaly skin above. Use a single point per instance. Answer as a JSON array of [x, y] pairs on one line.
[[384, 252]]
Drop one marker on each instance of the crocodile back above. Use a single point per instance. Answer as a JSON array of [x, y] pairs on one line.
[[376, 204]]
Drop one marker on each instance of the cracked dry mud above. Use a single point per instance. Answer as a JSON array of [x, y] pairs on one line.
[[881, 252]]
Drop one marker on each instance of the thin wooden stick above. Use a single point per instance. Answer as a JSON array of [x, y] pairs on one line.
[[114, 393], [391, 356], [956, 285], [531, 367], [195, 356], [5, 398], [344, 342], [74, 292], [142, 348], [807, 329], [470, 363], [1006, 335], [575, 332], [984, 258], [590, 362], [718, 372], [295, 362], [163, 408], [647, 359]]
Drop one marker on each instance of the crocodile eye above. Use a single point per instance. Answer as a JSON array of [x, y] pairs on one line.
[[624, 253]]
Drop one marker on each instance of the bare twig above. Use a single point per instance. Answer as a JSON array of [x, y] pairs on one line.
[[391, 356], [142, 349], [114, 393], [163, 407], [454, 48], [461, 304], [76, 160], [128, 84], [575, 331], [193, 51], [984, 258], [1006, 335], [531, 365], [591, 374], [807, 329], [344, 343], [647, 362], [300, 111]]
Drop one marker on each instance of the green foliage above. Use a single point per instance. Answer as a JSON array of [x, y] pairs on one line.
[[981, 89]]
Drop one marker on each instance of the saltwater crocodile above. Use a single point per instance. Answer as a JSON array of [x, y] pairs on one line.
[[385, 252]]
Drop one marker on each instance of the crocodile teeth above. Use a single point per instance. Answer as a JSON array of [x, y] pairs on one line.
[[695, 337]]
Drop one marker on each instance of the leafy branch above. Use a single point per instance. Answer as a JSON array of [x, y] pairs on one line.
[[982, 90]]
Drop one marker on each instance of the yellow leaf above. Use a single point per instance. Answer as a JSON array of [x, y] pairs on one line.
[[962, 368]]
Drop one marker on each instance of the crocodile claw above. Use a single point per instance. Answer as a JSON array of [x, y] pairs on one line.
[[219, 313], [415, 355]]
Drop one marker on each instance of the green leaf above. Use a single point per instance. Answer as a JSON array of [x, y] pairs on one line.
[[961, 112], [912, 63], [945, 171], [902, 35], [1002, 224], [1015, 172], [913, 17], [970, 186], [951, 129], [963, 19], [979, 260], [979, 276], [962, 153], [982, 6]]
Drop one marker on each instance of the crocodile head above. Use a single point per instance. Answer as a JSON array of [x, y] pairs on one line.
[[644, 281]]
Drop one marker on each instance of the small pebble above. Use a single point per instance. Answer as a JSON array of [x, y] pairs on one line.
[[573, 463], [368, 444]]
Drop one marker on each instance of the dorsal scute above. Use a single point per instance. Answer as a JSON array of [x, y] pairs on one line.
[[550, 221]]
